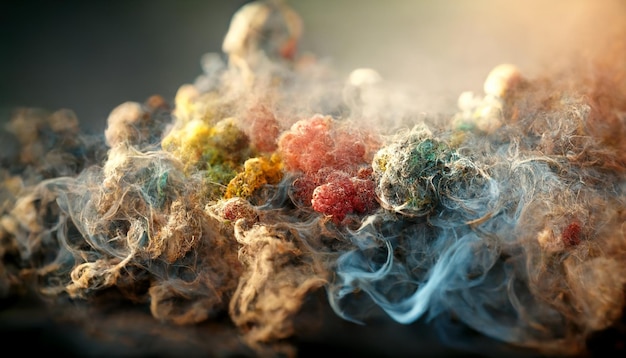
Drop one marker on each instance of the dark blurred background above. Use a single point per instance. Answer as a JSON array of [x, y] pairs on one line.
[[91, 55]]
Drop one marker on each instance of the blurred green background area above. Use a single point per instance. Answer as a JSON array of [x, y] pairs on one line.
[[90, 56]]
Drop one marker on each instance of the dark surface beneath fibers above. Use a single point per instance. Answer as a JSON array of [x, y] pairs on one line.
[[118, 329]]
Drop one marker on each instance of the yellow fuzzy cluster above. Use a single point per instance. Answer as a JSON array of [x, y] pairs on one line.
[[257, 172]]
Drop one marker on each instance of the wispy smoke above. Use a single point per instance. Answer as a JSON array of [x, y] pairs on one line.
[[272, 178]]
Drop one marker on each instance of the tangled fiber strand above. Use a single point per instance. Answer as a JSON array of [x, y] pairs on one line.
[[517, 222], [139, 212]]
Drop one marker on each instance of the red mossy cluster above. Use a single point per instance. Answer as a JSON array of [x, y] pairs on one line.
[[237, 208], [343, 194], [320, 142], [262, 127], [571, 234], [332, 161]]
